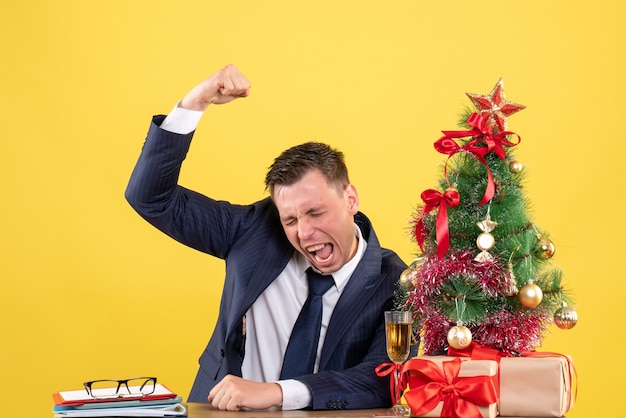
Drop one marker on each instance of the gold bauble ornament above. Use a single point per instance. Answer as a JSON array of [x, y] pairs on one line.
[[452, 189], [565, 317], [515, 167], [545, 248], [530, 295], [408, 277], [459, 337]]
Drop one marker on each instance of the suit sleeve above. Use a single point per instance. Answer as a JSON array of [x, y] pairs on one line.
[[355, 388], [193, 219]]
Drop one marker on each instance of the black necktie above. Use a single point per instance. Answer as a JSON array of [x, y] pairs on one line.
[[302, 347]]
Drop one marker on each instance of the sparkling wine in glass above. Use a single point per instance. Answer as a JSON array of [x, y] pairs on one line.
[[398, 331]]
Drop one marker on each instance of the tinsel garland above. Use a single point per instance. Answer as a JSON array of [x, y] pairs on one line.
[[511, 328]]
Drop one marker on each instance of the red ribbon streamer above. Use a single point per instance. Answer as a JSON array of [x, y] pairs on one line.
[[460, 395], [386, 369], [433, 199], [485, 141]]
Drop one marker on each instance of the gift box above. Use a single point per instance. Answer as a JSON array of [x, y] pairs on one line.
[[537, 385], [441, 386]]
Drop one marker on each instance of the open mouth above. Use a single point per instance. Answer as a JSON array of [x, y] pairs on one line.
[[321, 252]]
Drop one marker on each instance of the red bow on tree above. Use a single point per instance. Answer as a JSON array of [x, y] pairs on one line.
[[483, 143], [433, 199]]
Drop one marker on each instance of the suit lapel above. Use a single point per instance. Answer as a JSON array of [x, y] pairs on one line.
[[264, 268], [363, 284]]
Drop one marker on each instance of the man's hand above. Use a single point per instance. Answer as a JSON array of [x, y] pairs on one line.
[[222, 87], [234, 393]]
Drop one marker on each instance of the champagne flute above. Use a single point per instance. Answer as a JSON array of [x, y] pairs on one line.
[[398, 331]]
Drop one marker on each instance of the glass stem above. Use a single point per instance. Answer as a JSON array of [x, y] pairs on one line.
[[397, 386]]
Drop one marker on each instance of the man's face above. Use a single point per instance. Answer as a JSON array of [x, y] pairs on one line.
[[318, 220]]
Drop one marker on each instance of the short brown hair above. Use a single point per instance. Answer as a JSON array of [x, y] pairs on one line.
[[292, 164]]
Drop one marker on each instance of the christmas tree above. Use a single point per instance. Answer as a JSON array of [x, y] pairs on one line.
[[483, 270]]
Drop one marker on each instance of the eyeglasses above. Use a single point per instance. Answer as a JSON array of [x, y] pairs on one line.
[[110, 388]]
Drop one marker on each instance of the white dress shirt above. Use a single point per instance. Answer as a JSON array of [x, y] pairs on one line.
[[271, 317]]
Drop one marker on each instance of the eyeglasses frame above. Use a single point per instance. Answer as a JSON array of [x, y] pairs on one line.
[[120, 383]]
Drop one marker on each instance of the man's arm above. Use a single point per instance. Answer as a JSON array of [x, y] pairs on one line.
[[233, 393], [153, 190]]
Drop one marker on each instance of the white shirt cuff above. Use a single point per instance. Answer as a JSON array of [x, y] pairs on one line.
[[182, 121], [296, 395]]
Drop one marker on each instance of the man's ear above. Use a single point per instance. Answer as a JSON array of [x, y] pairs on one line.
[[352, 199]]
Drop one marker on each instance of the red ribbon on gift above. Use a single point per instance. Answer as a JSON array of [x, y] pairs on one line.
[[433, 199], [386, 369], [477, 352], [481, 352], [485, 141], [460, 395]]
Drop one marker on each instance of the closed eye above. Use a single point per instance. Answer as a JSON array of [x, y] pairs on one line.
[[292, 220], [316, 213], [289, 221]]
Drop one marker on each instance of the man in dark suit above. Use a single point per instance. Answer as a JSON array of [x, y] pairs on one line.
[[311, 219]]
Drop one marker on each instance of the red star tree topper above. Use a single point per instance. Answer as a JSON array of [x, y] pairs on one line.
[[495, 106]]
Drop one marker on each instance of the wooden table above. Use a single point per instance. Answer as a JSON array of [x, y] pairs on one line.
[[205, 410]]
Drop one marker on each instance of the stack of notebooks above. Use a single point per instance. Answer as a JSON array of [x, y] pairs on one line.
[[78, 403]]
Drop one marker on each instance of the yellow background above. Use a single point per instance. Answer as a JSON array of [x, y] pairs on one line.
[[89, 290]]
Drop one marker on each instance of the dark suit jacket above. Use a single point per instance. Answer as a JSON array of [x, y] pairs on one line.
[[251, 240]]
